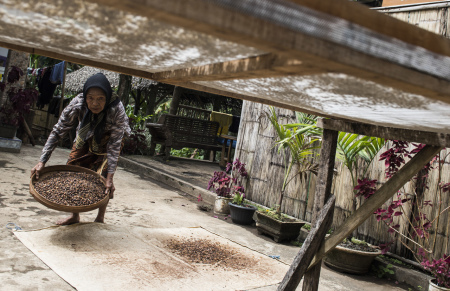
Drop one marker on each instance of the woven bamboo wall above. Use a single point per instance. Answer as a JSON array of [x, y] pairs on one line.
[[40, 121], [265, 168], [434, 20]]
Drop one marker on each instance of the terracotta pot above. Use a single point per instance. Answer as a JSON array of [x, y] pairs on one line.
[[433, 287], [350, 261], [221, 205], [242, 214], [277, 229]]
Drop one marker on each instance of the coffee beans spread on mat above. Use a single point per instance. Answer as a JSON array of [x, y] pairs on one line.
[[203, 251], [71, 188]]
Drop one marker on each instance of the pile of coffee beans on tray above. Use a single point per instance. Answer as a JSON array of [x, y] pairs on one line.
[[71, 188], [203, 251]]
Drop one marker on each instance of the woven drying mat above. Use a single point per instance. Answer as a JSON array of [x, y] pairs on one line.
[[138, 258]]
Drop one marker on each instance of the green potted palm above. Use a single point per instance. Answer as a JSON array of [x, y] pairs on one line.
[[352, 255], [297, 144]]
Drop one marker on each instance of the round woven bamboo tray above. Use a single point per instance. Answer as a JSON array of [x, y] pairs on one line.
[[65, 168]]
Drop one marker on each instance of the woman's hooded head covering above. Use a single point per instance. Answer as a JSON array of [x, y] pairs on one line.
[[96, 122], [98, 81]]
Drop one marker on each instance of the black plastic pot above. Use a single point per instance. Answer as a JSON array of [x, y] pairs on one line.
[[7, 131], [242, 214]]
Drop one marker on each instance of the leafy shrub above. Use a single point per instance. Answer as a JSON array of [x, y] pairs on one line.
[[227, 186], [19, 101], [136, 143]]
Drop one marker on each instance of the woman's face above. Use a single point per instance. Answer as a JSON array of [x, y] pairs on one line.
[[96, 100]]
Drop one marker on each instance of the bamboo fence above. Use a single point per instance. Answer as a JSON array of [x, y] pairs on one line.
[[266, 171]]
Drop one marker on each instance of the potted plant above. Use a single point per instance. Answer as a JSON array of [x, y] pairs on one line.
[[241, 212], [299, 142], [17, 104], [351, 255], [226, 186], [419, 227], [440, 269]]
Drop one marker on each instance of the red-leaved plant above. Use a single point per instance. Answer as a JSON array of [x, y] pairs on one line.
[[439, 268], [419, 223], [19, 101], [227, 186]]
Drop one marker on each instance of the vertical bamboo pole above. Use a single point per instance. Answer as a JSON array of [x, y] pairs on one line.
[[61, 102], [62, 89]]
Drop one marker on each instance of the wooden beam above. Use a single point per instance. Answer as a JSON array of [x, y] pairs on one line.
[[257, 99], [377, 200], [254, 67], [425, 137], [371, 19], [148, 75], [323, 191], [324, 39], [309, 248], [105, 64]]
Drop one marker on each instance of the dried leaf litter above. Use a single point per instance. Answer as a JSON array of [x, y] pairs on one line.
[[202, 251], [71, 188]]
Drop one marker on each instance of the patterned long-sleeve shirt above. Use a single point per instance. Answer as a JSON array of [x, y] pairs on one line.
[[116, 125]]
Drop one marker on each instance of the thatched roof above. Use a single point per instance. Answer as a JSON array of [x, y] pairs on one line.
[[144, 84], [75, 81]]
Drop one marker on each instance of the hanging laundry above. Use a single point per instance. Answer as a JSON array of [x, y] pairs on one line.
[[223, 119], [234, 127], [46, 89], [55, 103], [57, 75]]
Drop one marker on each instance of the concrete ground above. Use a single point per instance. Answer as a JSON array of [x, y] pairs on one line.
[[139, 201]]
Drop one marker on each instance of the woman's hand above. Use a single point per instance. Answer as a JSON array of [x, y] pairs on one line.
[[37, 169], [110, 186]]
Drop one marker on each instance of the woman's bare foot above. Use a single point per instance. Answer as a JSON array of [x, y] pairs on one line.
[[101, 214], [74, 218]]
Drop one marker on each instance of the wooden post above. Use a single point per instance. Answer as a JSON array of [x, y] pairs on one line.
[[28, 131], [172, 110], [61, 102], [151, 102], [124, 88], [47, 120], [137, 102], [217, 102], [175, 100], [376, 201], [323, 192], [309, 247]]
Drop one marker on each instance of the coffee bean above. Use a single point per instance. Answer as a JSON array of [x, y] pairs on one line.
[[71, 188]]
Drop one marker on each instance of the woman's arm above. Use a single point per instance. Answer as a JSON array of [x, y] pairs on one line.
[[67, 120], [119, 129]]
